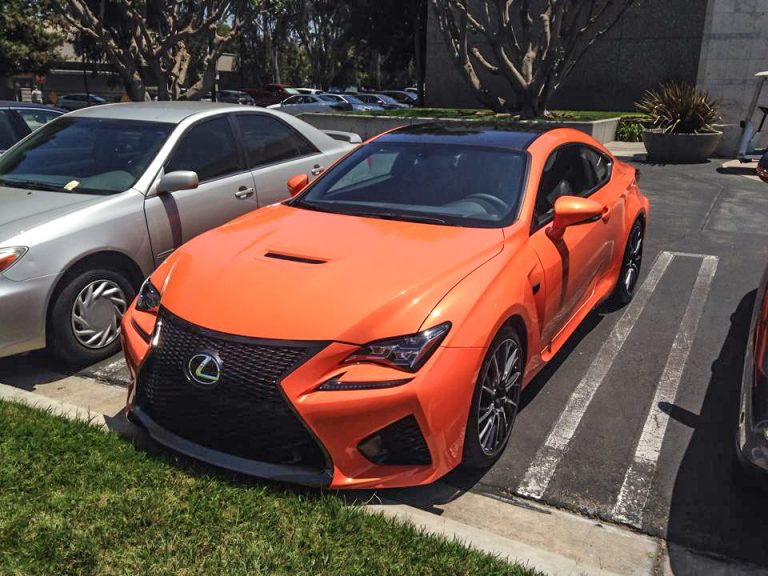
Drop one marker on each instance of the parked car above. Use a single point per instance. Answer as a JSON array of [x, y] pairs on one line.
[[78, 101], [356, 104], [302, 103], [234, 97], [310, 91], [381, 100], [400, 96], [94, 200], [19, 119], [270, 94], [413, 290]]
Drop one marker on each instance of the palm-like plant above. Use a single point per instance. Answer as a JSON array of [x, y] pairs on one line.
[[680, 108]]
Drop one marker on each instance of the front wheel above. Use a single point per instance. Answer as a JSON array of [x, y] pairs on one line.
[[495, 400], [84, 324], [630, 266]]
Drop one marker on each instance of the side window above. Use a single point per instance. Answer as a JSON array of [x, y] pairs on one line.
[[293, 100], [36, 118], [209, 149], [598, 165], [268, 140], [566, 173], [7, 130]]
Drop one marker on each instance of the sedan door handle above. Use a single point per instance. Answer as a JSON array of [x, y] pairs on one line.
[[244, 192], [317, 169]]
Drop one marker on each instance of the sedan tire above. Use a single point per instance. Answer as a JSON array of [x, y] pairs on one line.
[[84, 324]]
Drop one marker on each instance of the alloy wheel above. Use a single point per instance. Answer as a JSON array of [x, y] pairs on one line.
[[633, 259], [499, 396], [97, 312]]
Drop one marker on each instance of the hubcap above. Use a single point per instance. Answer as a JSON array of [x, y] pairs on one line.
[[499, 396], [633, 259], [97, 312]]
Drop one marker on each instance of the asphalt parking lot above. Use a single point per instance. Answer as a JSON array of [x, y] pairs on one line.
[[634, 421]]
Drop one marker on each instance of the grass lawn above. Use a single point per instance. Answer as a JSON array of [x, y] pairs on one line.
[[74, 500], [474, 114]]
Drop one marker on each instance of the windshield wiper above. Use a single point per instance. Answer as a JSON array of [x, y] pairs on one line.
[[26, 185], [407, 216]]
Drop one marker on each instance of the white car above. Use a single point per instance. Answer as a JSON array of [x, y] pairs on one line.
[[302, 103]]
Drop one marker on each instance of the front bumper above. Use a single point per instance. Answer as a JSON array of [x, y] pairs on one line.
[[438, 398], [752, 445], [23, 313]]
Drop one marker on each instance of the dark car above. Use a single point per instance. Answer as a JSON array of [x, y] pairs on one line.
[[400, 96], [77, 101], [752, 440], [17, 119], [235, 97], [270, 94], [380, 100]]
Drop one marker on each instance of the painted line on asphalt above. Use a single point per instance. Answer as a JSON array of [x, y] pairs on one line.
[[549, 455], [110, 369], [633, 496]]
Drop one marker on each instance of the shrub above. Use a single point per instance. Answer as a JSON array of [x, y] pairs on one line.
[[630, 130], [680, 108]]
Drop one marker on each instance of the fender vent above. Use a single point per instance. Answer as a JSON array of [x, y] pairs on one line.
[[277, 256]]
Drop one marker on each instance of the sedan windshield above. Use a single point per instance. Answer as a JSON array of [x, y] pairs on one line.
[[435, 183], [84, 155]]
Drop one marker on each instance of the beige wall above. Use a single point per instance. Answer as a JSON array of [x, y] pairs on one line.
[[734, 48]]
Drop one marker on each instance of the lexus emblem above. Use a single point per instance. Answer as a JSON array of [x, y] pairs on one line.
[[204, 369]]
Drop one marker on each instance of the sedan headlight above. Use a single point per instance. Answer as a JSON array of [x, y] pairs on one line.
[[407, 353], [149, 297], [9, 256]]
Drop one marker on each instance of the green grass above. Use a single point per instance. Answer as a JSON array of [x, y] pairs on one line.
[[474, 114], [75, 500]]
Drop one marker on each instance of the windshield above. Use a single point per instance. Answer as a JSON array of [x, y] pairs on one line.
[[84, 155], [437, 183], [291, 91], [353, 100]]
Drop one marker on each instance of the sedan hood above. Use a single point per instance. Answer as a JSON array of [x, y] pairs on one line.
[[22, 210], [290, 273]]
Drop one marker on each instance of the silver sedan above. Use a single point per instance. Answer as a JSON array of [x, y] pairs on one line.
[[92, 202]]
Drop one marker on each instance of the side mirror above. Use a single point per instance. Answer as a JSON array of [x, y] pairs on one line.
[[572, 211], [178, 180], [762, 168], [296, 183]]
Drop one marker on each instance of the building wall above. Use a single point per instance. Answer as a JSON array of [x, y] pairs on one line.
[[655, 41], [734, 48]]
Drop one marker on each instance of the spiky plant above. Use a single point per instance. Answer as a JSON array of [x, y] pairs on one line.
[[680, 108]]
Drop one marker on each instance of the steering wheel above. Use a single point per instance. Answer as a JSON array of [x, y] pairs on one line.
[[496, 203]]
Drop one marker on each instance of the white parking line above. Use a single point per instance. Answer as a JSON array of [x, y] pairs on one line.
[[544, 464], [639, 477]]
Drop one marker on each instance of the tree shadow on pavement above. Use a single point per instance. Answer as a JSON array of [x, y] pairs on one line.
[[713, 509]]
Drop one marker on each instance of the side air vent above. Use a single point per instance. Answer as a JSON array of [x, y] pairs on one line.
[[277, 256]]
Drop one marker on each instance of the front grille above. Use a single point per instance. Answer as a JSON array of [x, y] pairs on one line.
[[245, 413], [399, 444]]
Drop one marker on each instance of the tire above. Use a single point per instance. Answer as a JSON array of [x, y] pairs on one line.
[[626, 285], [495, 401], [84, 325]]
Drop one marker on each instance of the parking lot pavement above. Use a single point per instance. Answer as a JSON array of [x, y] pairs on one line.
[[634, 421]]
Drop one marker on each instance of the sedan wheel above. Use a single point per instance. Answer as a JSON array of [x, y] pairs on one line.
[[496, 400], [97, 312]]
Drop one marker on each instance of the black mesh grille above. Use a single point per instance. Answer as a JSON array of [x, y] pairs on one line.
[[244, 414], [399, 444]]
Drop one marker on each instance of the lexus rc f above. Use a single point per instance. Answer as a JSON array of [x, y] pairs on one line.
[[376, 329]]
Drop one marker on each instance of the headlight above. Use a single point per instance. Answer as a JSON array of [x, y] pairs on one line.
[[149, 297], [9, 256], [407, 353]]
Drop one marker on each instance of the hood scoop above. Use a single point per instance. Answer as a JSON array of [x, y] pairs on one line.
[[290, 258]]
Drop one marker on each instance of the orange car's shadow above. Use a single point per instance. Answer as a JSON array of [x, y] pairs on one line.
[[462, 480]]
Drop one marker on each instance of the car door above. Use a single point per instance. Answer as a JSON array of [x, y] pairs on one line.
[[574, 262], [226, 189], [275, 151]]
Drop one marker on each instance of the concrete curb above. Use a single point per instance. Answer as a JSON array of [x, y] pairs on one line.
[[57, 407]]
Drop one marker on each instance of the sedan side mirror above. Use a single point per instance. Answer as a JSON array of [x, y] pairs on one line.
[[178, 180], [297, 183], [572, 211]]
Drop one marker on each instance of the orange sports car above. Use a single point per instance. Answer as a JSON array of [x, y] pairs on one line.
[[376, 329]]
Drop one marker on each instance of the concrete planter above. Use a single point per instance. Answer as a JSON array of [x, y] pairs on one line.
[[368, 126], [680, 148]]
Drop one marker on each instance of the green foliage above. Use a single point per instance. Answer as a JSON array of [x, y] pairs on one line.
[[631, 129], [78, 501], [27, 44], [680, 108]]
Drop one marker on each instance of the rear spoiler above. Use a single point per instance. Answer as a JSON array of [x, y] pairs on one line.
[[349, 137]]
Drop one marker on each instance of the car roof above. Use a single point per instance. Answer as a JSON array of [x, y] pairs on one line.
[[438, 133], [166, 111], [14, 104]]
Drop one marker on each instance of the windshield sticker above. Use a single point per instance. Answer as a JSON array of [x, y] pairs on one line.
[[71, 185]]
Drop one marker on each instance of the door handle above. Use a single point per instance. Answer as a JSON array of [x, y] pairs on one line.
[[317, 169], [606, 214], [244, 192]]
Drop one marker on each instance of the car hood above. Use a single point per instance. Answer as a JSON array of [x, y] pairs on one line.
[[22, 210], [290, 273]]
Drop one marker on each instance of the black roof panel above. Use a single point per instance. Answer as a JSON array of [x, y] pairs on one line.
[[485, 135]]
